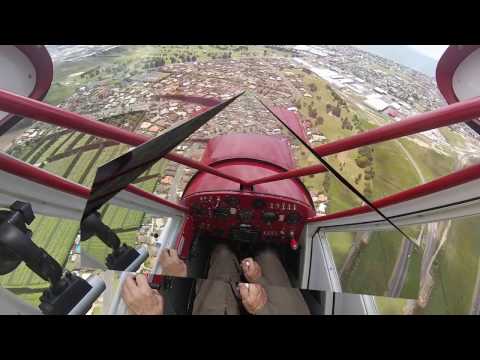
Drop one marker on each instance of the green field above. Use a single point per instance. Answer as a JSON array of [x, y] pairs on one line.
[[431, 163], [412, 281], [390, 306], [390, 177], [340, 243], [124, 222], [374, 264], [57, 235], [455, 269], [452, 137]]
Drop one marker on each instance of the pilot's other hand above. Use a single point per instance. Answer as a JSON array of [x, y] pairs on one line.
[[251, 270], [254, 297], [140, 298], [171, 264]]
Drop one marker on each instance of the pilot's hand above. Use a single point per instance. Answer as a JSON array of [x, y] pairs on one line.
[[251, 270], [171, 264], [254, 297], [140, 298]]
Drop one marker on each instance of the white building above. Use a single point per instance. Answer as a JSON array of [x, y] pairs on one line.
[[380, 90], [376, 103]]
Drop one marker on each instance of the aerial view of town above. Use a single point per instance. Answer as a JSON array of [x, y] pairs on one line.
[[338, 91]]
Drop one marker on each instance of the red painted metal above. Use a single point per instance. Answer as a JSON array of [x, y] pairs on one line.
[[445, 182], [446, 67], [221, 227], [145, 194], [235, 155], [29, 172], [292, 119], [42, 177], [294, 244], [248, 169], [183, 243], [270, 149], [447, 115], [42, 62], [308, 170], [34, 109]]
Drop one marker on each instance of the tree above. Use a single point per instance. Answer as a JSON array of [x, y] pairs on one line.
[[336, 111], [362, 161], [326, 183], [312, 87], [358, 178]]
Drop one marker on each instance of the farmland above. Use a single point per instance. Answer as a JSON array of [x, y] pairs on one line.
[[56, 235], [380, 177]]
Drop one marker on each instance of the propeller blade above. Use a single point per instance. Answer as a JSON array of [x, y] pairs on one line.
[[334, 172], [116, 175]]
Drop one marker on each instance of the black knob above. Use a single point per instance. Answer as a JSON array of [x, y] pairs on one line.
[[269, 217], [221, 212], [246, 215], [259, 203], [231, 200], [293, 218], [198, 210]]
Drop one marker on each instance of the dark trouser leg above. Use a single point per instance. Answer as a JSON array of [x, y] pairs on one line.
[[214, 295], [223, 264], [283, 299], [273, 272]]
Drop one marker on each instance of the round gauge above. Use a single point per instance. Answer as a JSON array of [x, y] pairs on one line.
[[269, 216], [197, 210], [221, 212], [293, 218], [246, 215], [259, 203], [231, 200]]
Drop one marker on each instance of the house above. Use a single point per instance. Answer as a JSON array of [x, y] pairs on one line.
[[376, 103]]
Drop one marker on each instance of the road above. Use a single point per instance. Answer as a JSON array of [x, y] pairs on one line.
[[399, 274], [431, 252], [428, 236], [361, 237]]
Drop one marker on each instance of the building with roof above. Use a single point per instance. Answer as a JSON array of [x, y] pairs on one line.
[[376, 103]]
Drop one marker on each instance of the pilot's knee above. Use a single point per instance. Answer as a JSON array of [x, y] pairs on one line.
[[267, 254], [222, 250]]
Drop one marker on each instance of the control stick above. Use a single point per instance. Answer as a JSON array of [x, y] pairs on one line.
[[122, 255], [16, 245]]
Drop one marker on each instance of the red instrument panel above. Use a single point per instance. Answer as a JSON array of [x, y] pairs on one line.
[[247, 216]]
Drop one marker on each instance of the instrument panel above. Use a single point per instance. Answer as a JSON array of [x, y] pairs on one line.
[[248, 217]]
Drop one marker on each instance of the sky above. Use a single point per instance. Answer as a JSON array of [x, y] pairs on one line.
[[433, 51]]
